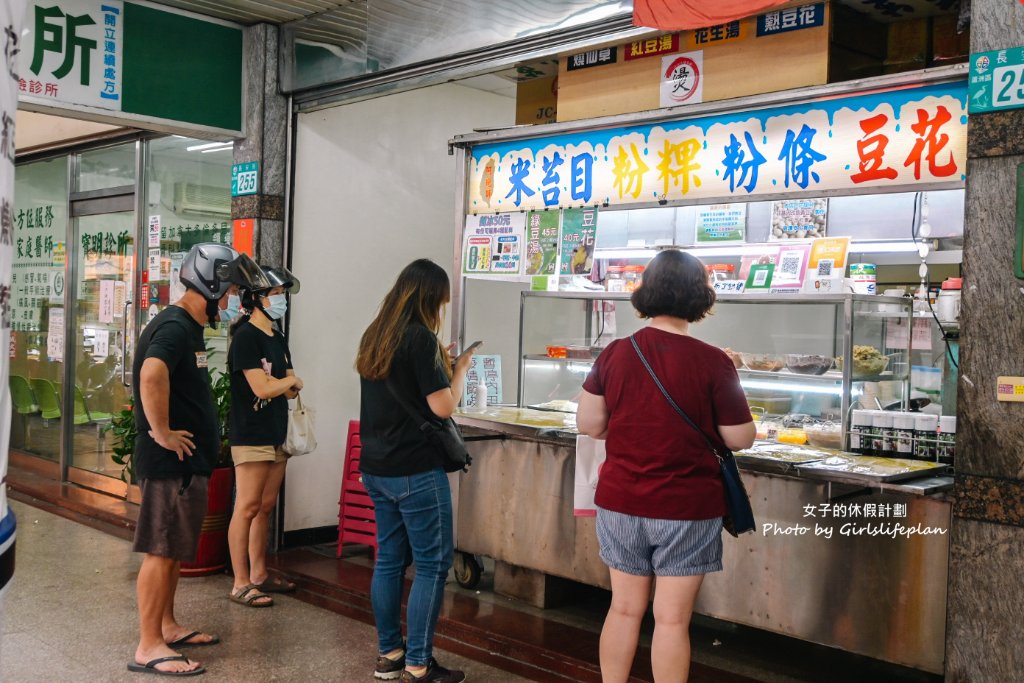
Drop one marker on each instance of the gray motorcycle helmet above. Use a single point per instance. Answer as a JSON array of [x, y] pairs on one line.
[[201, 270]]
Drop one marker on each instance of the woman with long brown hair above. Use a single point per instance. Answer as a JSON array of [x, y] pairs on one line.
[[400, 354]]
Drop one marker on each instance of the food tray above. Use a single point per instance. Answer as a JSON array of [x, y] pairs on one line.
[[768, 456], [864, 469]]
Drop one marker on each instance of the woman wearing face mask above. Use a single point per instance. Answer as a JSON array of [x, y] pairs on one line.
[[262, 381]]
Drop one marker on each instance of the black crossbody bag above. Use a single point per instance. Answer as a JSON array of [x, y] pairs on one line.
[[740, 519], [443, 435]]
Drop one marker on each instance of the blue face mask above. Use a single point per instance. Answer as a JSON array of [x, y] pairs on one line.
[[278, 306], [231, 312]]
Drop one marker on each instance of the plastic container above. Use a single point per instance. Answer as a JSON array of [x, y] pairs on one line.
[[946, 440], [614, 279], [480, 393], [947, 306], [808, 364], [903, 434], [860, 432], [825, 435], [863, 277], [632, 276], [792, 435], [766, 362], [925, 427], [557, 351], [721, 271]]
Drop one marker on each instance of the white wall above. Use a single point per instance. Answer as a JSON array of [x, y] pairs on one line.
[[374, 190]]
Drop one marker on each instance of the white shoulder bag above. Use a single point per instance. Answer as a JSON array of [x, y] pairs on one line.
[[300, 439]]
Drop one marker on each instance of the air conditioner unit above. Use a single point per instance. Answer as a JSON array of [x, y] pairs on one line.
[[203, 200]]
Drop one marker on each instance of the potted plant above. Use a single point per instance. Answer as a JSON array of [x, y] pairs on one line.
[[212, 555]]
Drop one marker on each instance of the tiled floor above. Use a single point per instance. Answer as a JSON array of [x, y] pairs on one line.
[[70, 616]]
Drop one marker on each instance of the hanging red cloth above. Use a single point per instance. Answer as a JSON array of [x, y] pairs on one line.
[[680, 15]]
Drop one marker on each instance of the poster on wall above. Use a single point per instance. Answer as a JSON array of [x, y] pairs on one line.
[[101, 343], [106, 301], [486, 369], [798, 219], [542, 242], [55, 335], [722, 223], [493, 245], [682, 79], [790, 268], [154, 232], [579, 232]]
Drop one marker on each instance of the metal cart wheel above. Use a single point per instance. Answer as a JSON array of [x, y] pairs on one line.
[[467, 570]]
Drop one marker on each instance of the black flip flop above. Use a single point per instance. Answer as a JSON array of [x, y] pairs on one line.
[[150, 667], [184, 641]]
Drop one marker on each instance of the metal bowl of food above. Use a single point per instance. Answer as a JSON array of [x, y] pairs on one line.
[[768, 362], [808, 364]]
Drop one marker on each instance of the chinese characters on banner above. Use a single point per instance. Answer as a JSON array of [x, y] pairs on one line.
[[791, 19], [486, 369], [579, 231], [493, 245], [73, 52], [598, 57], [883, 140]]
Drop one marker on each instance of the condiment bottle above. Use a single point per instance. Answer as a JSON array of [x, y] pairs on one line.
[[481, 397], [867, 433], [946, 441], [613, 280], [947, 305], [860, 431], [903, 434], [924, 436], [882, 439]]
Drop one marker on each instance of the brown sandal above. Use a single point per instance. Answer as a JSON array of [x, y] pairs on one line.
[[248, 595]]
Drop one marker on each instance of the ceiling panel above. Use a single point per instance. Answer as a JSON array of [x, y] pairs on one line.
[[256, 11]]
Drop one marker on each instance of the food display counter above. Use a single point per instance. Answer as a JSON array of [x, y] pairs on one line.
[[850, 551]]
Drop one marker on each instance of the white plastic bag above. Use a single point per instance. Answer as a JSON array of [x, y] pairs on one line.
[[300, 439], [589, 459]]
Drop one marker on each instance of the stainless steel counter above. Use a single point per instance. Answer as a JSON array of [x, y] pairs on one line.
[[819, 568]]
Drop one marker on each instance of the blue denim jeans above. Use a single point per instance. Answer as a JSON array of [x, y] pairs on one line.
[[414, 518]]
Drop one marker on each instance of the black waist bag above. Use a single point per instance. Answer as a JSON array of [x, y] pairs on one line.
[[443, 435]]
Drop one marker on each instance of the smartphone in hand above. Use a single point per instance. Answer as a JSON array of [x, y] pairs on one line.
[[469, 349]]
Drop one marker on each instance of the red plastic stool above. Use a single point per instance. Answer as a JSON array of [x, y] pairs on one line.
[[356, 521]]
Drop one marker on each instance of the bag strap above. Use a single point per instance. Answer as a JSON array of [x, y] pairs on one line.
[[675, 406], [425, 425], [298, 403]]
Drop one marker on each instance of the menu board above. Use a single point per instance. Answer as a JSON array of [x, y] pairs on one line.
[[721, 223], [542, 241], [494, 245], [579, 232]]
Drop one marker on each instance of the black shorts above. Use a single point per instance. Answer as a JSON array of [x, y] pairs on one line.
[[170, 519]]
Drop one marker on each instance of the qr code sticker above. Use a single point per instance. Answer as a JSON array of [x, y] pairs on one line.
[[760, 278], [789, 265], [825, 267]]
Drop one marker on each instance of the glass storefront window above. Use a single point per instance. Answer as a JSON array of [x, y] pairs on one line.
[[101, 169], [37, 306], [189, 195]]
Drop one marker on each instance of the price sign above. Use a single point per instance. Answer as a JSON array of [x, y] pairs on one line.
[[1010, 389], [245, 178]]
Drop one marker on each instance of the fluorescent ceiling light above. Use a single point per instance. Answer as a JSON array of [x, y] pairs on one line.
[[218, 149], [207, 145], [893, 247], [835, 390], [879, 247]]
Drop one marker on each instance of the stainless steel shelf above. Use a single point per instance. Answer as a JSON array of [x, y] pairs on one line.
[[733, 298]]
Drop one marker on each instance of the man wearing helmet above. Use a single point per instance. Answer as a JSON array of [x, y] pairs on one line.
[[177, 446]]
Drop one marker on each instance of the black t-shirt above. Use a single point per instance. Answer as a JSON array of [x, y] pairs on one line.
[[254, 421], [174, 337], [392, 444]]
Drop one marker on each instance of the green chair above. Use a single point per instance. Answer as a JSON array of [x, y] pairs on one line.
[[48, 398], [22, 396], [82, 413]]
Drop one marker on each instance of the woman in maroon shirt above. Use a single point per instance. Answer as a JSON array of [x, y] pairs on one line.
[[660, 498]]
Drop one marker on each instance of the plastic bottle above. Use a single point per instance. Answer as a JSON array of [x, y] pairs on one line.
[[903, 434], [860, 420], [481, 397], [924, 436], [946, 441], [883, 446]]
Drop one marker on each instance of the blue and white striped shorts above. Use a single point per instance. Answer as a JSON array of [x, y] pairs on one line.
[[663, 547]]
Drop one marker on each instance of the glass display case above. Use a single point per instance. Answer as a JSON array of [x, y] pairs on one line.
[[801, 358]]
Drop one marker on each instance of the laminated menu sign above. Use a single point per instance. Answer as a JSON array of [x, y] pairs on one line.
[[721, 223], [493, 245], [542, 242], [798, 219], [579, 231], [486, 369], [790, 268], [828, 257]]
